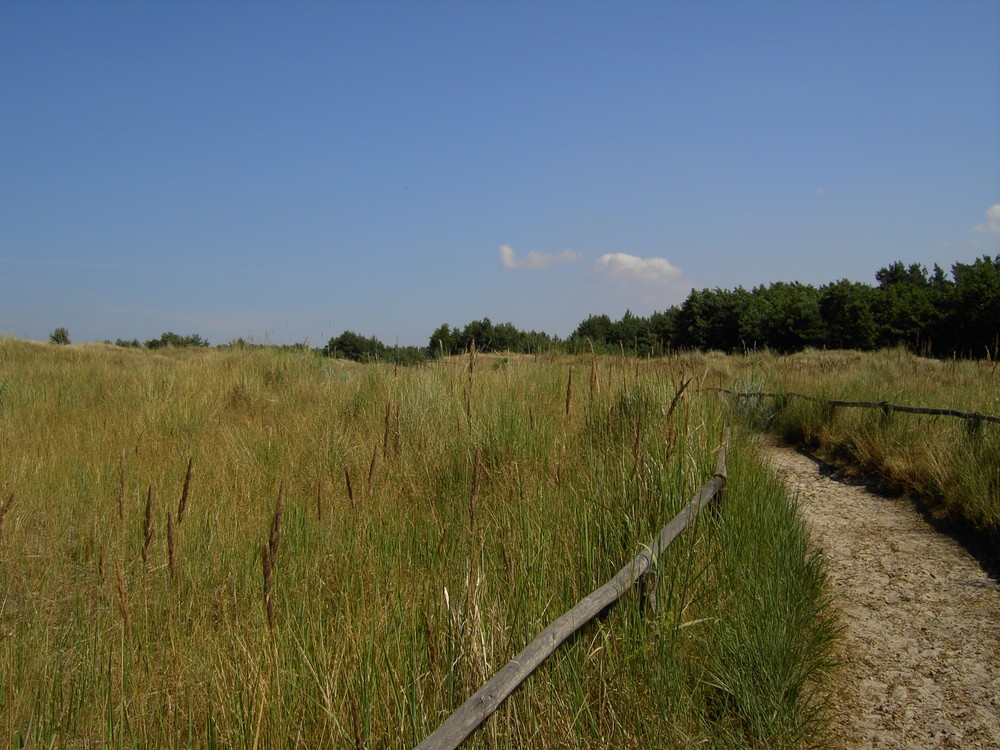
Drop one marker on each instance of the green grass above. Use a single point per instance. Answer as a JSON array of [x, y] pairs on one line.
[[951, 470], [485, 503]]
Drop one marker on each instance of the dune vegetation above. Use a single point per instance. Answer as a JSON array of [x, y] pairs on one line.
[[261, 548], [950, 466]]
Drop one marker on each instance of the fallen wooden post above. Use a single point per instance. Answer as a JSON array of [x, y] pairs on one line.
[[471, 714]]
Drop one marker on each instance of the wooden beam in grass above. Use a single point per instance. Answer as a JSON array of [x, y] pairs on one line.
[[883, 405], [471, 714]]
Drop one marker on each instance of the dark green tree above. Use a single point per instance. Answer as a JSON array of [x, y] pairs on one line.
[[715, 319], [442, 342], [596, 329], [793, 320], [405, 355], [170, 338], [353, 346], [848, 321], [507, 338], [692, 322], [59, 336], [663, 330], [903, 305], [480, 331], [974, 315]]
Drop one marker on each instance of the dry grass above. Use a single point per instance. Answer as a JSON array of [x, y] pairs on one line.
[[937, 459], [430, 520]]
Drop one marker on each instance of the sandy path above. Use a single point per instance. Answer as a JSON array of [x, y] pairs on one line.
[[922, 619]]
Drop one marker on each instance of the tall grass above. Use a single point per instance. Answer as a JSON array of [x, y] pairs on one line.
[[431, 521], [952, 469]]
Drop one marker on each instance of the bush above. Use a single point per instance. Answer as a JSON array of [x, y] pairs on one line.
[[60, 336], [172, 339]]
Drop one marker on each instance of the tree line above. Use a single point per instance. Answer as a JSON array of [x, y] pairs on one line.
[[929, 312]]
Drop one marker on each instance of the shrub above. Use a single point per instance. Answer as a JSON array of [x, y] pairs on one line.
[[59, 336]]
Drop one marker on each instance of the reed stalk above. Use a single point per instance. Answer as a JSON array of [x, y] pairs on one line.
[[569, 391], [123, 609], [371, 472], [147, 525], [182, 505], [269, 556], [385, 429], [4, 509], [121, 487], [350, 488], [636, 442], [274, 539], [592, 391], [267, 568], [474, 489], [171, 554]]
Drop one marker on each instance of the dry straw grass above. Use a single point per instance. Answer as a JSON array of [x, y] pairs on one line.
[[953, 470], [489, 502]]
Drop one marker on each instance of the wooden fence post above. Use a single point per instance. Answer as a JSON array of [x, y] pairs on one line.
[[648, 603], [886, 412], [973, 424]]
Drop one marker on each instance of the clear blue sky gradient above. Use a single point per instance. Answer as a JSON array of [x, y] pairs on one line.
[[286, 171]]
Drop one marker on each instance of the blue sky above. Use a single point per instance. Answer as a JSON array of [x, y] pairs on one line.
[[287, 171]]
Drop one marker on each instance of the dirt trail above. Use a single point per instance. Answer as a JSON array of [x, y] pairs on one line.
[[922, 619]]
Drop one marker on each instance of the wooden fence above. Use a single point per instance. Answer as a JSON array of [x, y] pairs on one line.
[[471, 714], [973, 418]]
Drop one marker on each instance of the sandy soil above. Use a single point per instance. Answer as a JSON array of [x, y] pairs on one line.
[[921, 618]]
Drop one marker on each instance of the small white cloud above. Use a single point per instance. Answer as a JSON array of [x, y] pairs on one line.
[[536, 260], [631, 267], [992, 223]]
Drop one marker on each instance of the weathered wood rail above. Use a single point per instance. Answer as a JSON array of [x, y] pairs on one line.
[[973, 418], [471, 714]]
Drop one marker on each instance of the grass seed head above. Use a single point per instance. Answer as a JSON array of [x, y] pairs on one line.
[[371, 471], [350, 489], [275, 538], [182, 506]]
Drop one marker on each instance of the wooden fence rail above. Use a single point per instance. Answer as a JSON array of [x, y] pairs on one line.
[[471, 714], [972, 417]]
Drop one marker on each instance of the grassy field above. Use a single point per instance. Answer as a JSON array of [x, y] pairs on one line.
[[951, 470], [432, 520]]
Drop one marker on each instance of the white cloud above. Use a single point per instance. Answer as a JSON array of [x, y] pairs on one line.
[[535, 259], [992, 223], [630, 267]]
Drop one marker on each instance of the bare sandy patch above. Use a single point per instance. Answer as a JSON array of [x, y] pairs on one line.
[[921, 618]]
